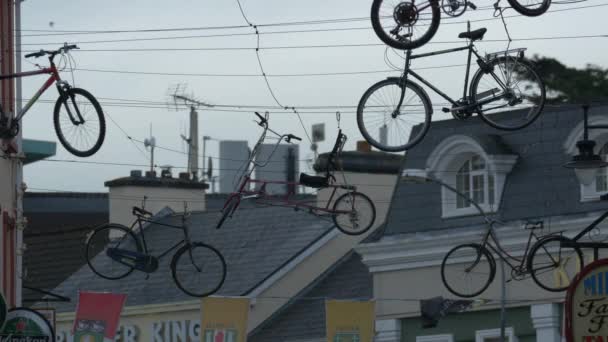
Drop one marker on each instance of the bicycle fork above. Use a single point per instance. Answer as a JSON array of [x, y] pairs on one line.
[[63, 88]]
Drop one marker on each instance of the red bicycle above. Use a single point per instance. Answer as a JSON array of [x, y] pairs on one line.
[[78, 118], [352, 212]]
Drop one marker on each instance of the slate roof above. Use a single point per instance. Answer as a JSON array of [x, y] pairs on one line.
[[304, 317], [538, 185], [55, 233], [256, 242]]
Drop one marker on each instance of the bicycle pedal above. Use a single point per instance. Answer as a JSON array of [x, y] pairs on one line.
[[446, 110]]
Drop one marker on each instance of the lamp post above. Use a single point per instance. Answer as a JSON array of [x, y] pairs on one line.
[[421, 176], [586, 162]]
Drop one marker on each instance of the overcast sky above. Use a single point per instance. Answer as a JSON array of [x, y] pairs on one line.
[[344, 90]]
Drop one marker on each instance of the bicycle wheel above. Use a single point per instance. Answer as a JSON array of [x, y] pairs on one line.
[[104, 238], [511, 96], [198, 269], [552, 266], [79, 122], [227, 211], [356, 213], [406, 24], [467, 270], [530, 8], [387, 127]]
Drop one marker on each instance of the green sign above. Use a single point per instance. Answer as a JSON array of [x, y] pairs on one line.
[[3, 309], [26, 325]]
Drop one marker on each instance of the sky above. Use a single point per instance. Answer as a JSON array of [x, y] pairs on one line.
[[114, 78]]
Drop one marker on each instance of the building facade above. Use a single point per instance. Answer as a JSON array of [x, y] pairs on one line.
[[517, 178]]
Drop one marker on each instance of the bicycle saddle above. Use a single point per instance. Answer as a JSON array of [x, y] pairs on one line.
[[314, 181], [142, 212], [473, 35]]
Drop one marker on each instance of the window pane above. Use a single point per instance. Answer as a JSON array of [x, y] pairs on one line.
[[601, 178], [463, 185], [478, 163], [478, 189]]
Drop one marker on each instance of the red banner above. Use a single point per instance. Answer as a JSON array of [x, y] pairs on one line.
[[98, 313]]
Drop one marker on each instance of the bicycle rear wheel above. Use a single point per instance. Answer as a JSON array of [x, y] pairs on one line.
[[467, 270], [511, 96], [105, 238], [198, 269], [406, 24], [530, 8], [79, 122], [552, 266], [358, 213], [388, 127]]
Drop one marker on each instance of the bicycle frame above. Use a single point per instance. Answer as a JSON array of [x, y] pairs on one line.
[[140, 220], [504, 255], [471, 51], [52, 70]]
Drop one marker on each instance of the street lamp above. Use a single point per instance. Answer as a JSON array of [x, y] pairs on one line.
[[586, 162]]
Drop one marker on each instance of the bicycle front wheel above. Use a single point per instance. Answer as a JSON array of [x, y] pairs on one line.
[[198, 269], [107, 238], [530, 8], [467, 270], [388, 126], [510, 96], [354, 213], [552, 266], [405, 25], [79, 122]]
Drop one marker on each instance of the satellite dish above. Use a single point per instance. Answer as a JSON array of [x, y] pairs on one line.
[[150, 142]]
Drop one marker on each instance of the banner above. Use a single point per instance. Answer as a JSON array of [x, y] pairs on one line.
[[348, 321], [97, 316], [224, 319]]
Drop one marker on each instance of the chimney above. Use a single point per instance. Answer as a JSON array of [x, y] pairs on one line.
[[363, 146]]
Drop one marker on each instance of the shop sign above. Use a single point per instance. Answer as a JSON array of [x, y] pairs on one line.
[[26, 325], [587, 304]]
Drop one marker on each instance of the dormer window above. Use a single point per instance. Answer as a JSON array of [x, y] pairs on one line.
[[477, 167]]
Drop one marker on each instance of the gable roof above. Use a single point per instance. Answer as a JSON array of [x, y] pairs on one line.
[[537, 186], [256, 243]]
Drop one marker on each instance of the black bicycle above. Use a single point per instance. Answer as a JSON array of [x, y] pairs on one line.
[[410, 24], [467, 270], [395, 114], [113, 251], [550, 256]]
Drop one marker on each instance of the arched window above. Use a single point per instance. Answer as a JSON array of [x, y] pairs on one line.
[[474, 181], [601, 178]]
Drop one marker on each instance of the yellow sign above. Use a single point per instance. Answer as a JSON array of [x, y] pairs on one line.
[[587, 304], [348, 321], [224, 319]]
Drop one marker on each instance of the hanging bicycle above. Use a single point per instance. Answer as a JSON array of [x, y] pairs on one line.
[[395, 114], [77, 117], [113, 251], [352, 212], [467, 270], [410, 24]]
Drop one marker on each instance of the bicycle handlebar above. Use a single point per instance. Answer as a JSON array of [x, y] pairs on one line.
[[263, 120], [64, 48], [291, 136]]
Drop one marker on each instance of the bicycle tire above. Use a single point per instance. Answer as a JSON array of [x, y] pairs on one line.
[[226, 211], [198, 284], [530, 12], [358, 198], [388, 119], [400, 44], [64, 102], [90, 253], [534, 259], [481, 252], [536, 106]]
